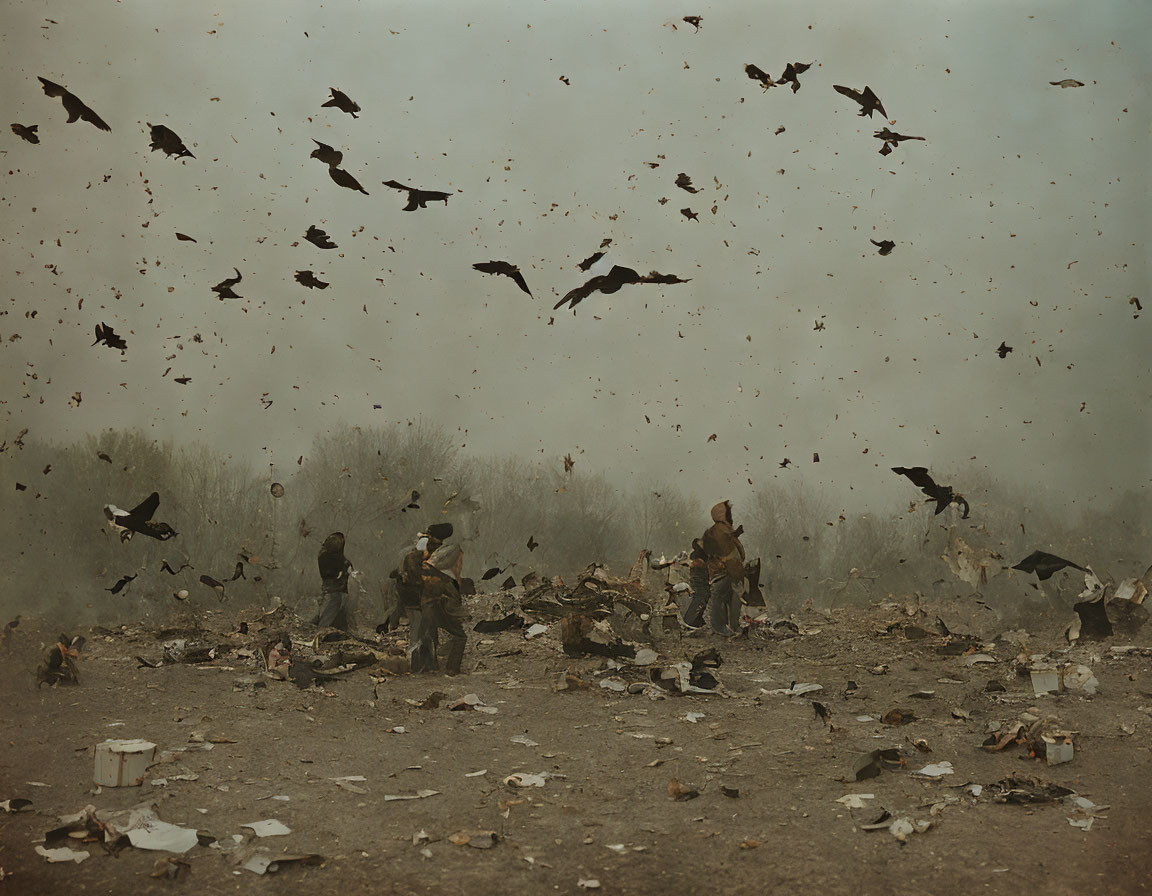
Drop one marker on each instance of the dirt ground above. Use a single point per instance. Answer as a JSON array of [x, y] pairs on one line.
[[605, 814]]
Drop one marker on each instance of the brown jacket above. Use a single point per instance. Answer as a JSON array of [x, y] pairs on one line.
[[722, 545]]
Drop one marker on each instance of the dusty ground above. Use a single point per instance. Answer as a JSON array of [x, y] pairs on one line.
[[609, 817]]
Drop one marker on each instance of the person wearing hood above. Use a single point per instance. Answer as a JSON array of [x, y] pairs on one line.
[[440, 610], [334, 571], [725, 562]]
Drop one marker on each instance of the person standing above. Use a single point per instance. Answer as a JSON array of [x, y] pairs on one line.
[[334, 572], [440, 610], [725, 559], [698, 582]]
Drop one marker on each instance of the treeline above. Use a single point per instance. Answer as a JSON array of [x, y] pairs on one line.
[[380, 487]]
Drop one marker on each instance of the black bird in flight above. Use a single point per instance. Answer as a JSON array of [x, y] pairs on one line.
[[694, 21], [26, 132], [891, 139], [326, 154], [164, 565], [184, 238], [611, 282], [119, 586], [343, 102], [684, 182], [758, 74], [169, 141], [344, 179], [792, 73], [307, 278], [107, 335], [1045, 565], [418, 198], [690, 215], [868, 101], [1004, 349], [941, 494], [595, 256], [319, 238], [224, 288], [885, 246], [507, 269], [532, 543], [73, 106], [139, 520]]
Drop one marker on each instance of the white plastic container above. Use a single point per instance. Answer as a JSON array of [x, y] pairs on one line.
[[123, 763]]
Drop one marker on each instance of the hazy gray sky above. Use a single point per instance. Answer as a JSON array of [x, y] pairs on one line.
[[1023, 217]]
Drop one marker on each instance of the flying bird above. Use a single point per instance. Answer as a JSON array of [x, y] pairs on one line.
[[326, 154], [418, 198], [941, 494], [168, 140], [596, 256], [784, 463], [184, 380], [164, 565], [223, 289], [107, 335], [611, 282], [139, 520], [690, 215], [1045, 565], [1003, 350], [792, 72], [758, 74], [119, 586], [885, 246], [569, 464], [868, 101], [507, 269], [532, 543], [72, 105], [891, 139], [684, 182], [343, 102], [319, 238], [184, 238], [1067, 82], [344, 179], [26, 132], [694, 21], [307, 278]]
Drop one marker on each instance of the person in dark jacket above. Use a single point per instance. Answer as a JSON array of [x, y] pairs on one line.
[[334, 572], [440, 610], [698, 581], [725, 558]]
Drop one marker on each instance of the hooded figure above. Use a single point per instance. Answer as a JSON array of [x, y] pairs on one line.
[[440, 611], [725, 560], [334, 571]]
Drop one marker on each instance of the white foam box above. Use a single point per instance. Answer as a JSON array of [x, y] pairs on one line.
[[123, 763]]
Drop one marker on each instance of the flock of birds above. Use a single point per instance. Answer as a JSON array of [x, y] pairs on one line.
[[604, 276]]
